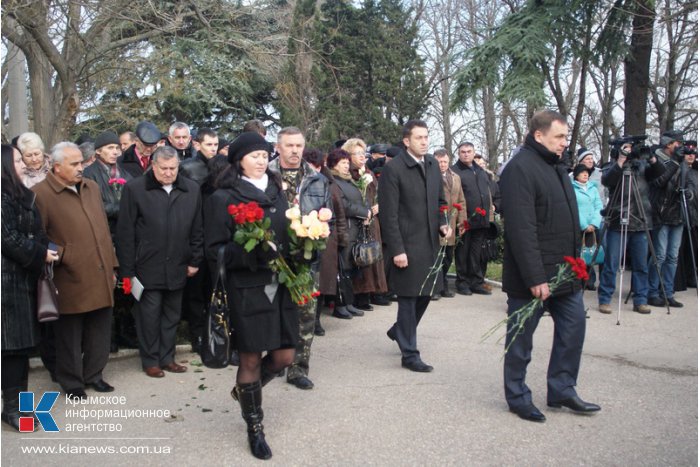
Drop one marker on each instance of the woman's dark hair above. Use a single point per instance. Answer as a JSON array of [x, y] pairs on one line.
[[313, 157], [336, 156], [11, 183]]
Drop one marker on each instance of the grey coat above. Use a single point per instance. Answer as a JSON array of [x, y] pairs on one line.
[[356, 211], [409, 214], [24, 246]]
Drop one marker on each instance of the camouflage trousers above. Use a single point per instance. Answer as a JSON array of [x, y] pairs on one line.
[[307, 320]]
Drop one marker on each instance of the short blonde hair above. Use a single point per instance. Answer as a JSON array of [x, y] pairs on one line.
[[28, 141], [352, 143]]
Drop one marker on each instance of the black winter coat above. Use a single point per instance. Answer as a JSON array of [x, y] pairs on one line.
[[259, 323], [541, 223], [24, 246], [130, 162], [477, 192], [159, 235], [664, 193], [410, 197], [195, 168], [643, 174], [355, 212], [99, 172]]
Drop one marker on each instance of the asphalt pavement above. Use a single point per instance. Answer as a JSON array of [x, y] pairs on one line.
[[367, 410]]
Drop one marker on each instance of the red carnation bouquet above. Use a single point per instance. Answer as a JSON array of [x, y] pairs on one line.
[[117, 185], [570, 270], [477, 212], [448, 212], [253, 229], [125, 284]]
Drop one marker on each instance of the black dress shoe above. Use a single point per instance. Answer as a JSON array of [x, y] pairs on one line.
[[341, 312], [391, 333], [417, 365], [302, 382], [197, 345], [480, 290], [673, 303], [364, 306], [78, 393], [576, 404], [380, 300], [656, 301], [446, 293], [529, 413], [393, 297], [591, 287], [101, 386], [354, 310], [464, 290], [318, 329]]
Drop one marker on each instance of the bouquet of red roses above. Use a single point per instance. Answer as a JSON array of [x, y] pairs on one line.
[[570, 270]]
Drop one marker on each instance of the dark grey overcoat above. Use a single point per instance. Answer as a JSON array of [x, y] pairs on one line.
[[409, 214]]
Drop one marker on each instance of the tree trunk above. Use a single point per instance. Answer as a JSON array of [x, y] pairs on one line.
[[637, 68]]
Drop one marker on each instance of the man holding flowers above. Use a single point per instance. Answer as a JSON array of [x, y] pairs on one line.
[[410, 197], [541, 228]]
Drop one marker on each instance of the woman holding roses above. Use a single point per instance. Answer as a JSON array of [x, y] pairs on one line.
[[371, 280], [263, 317]]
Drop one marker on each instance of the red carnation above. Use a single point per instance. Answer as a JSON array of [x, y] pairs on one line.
[[457, 206], [443, 209], [465, 226], [126, 285], [480, 211]]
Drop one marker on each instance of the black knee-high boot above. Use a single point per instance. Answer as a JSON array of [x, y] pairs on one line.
[[266, 375], [250, 398]]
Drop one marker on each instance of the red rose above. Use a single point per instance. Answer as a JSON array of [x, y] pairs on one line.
[[232, 210]]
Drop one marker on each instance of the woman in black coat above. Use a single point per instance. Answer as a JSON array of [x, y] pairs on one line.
[[357, 212], [24, 252], [263, 316]]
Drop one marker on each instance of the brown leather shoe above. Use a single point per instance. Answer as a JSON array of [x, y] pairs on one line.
[[154, 372], [173, 367]]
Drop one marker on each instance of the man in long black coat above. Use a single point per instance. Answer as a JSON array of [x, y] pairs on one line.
[[410, 196], [541, 227]]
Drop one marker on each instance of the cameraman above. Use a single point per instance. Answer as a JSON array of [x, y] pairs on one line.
[[643, 172], [668, 219]]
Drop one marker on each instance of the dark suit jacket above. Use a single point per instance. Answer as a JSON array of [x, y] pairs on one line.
[[409, 214]]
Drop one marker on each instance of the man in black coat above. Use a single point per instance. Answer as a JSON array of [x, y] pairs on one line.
[[541, 227], [410, 196], [471, 250], [136, 159], [160, 242]]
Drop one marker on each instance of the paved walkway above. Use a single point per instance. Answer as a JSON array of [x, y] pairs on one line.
[[367, 410]]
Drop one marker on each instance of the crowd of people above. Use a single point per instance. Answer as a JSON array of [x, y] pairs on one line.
[[145, 214]]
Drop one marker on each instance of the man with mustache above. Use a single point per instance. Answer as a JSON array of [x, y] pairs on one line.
[[74, 219]]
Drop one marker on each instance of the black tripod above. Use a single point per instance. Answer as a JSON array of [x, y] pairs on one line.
[[627, 189]]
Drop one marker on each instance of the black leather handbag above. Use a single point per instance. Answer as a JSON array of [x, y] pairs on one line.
[[366, 251], [46, 296], [216, 348]]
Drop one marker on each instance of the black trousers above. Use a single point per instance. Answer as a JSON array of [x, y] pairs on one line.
[[469, 256], [157, 317], [447, 261], [569, 319], [15, 371], [82, 347], [411, 310]]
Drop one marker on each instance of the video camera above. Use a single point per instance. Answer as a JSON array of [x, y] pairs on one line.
[[690, 147], [639, 149]]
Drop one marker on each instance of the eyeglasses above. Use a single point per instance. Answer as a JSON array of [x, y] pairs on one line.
[[358, 153]]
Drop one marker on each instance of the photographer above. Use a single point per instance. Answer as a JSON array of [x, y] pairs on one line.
[[668, 219], [624, 204]]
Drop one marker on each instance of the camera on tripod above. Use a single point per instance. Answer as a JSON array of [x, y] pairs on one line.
[[639, 149]]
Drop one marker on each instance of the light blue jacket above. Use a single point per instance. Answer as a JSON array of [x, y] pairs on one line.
[[589, 204]]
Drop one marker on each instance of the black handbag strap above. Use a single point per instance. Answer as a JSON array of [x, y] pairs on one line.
[[48, 271]]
